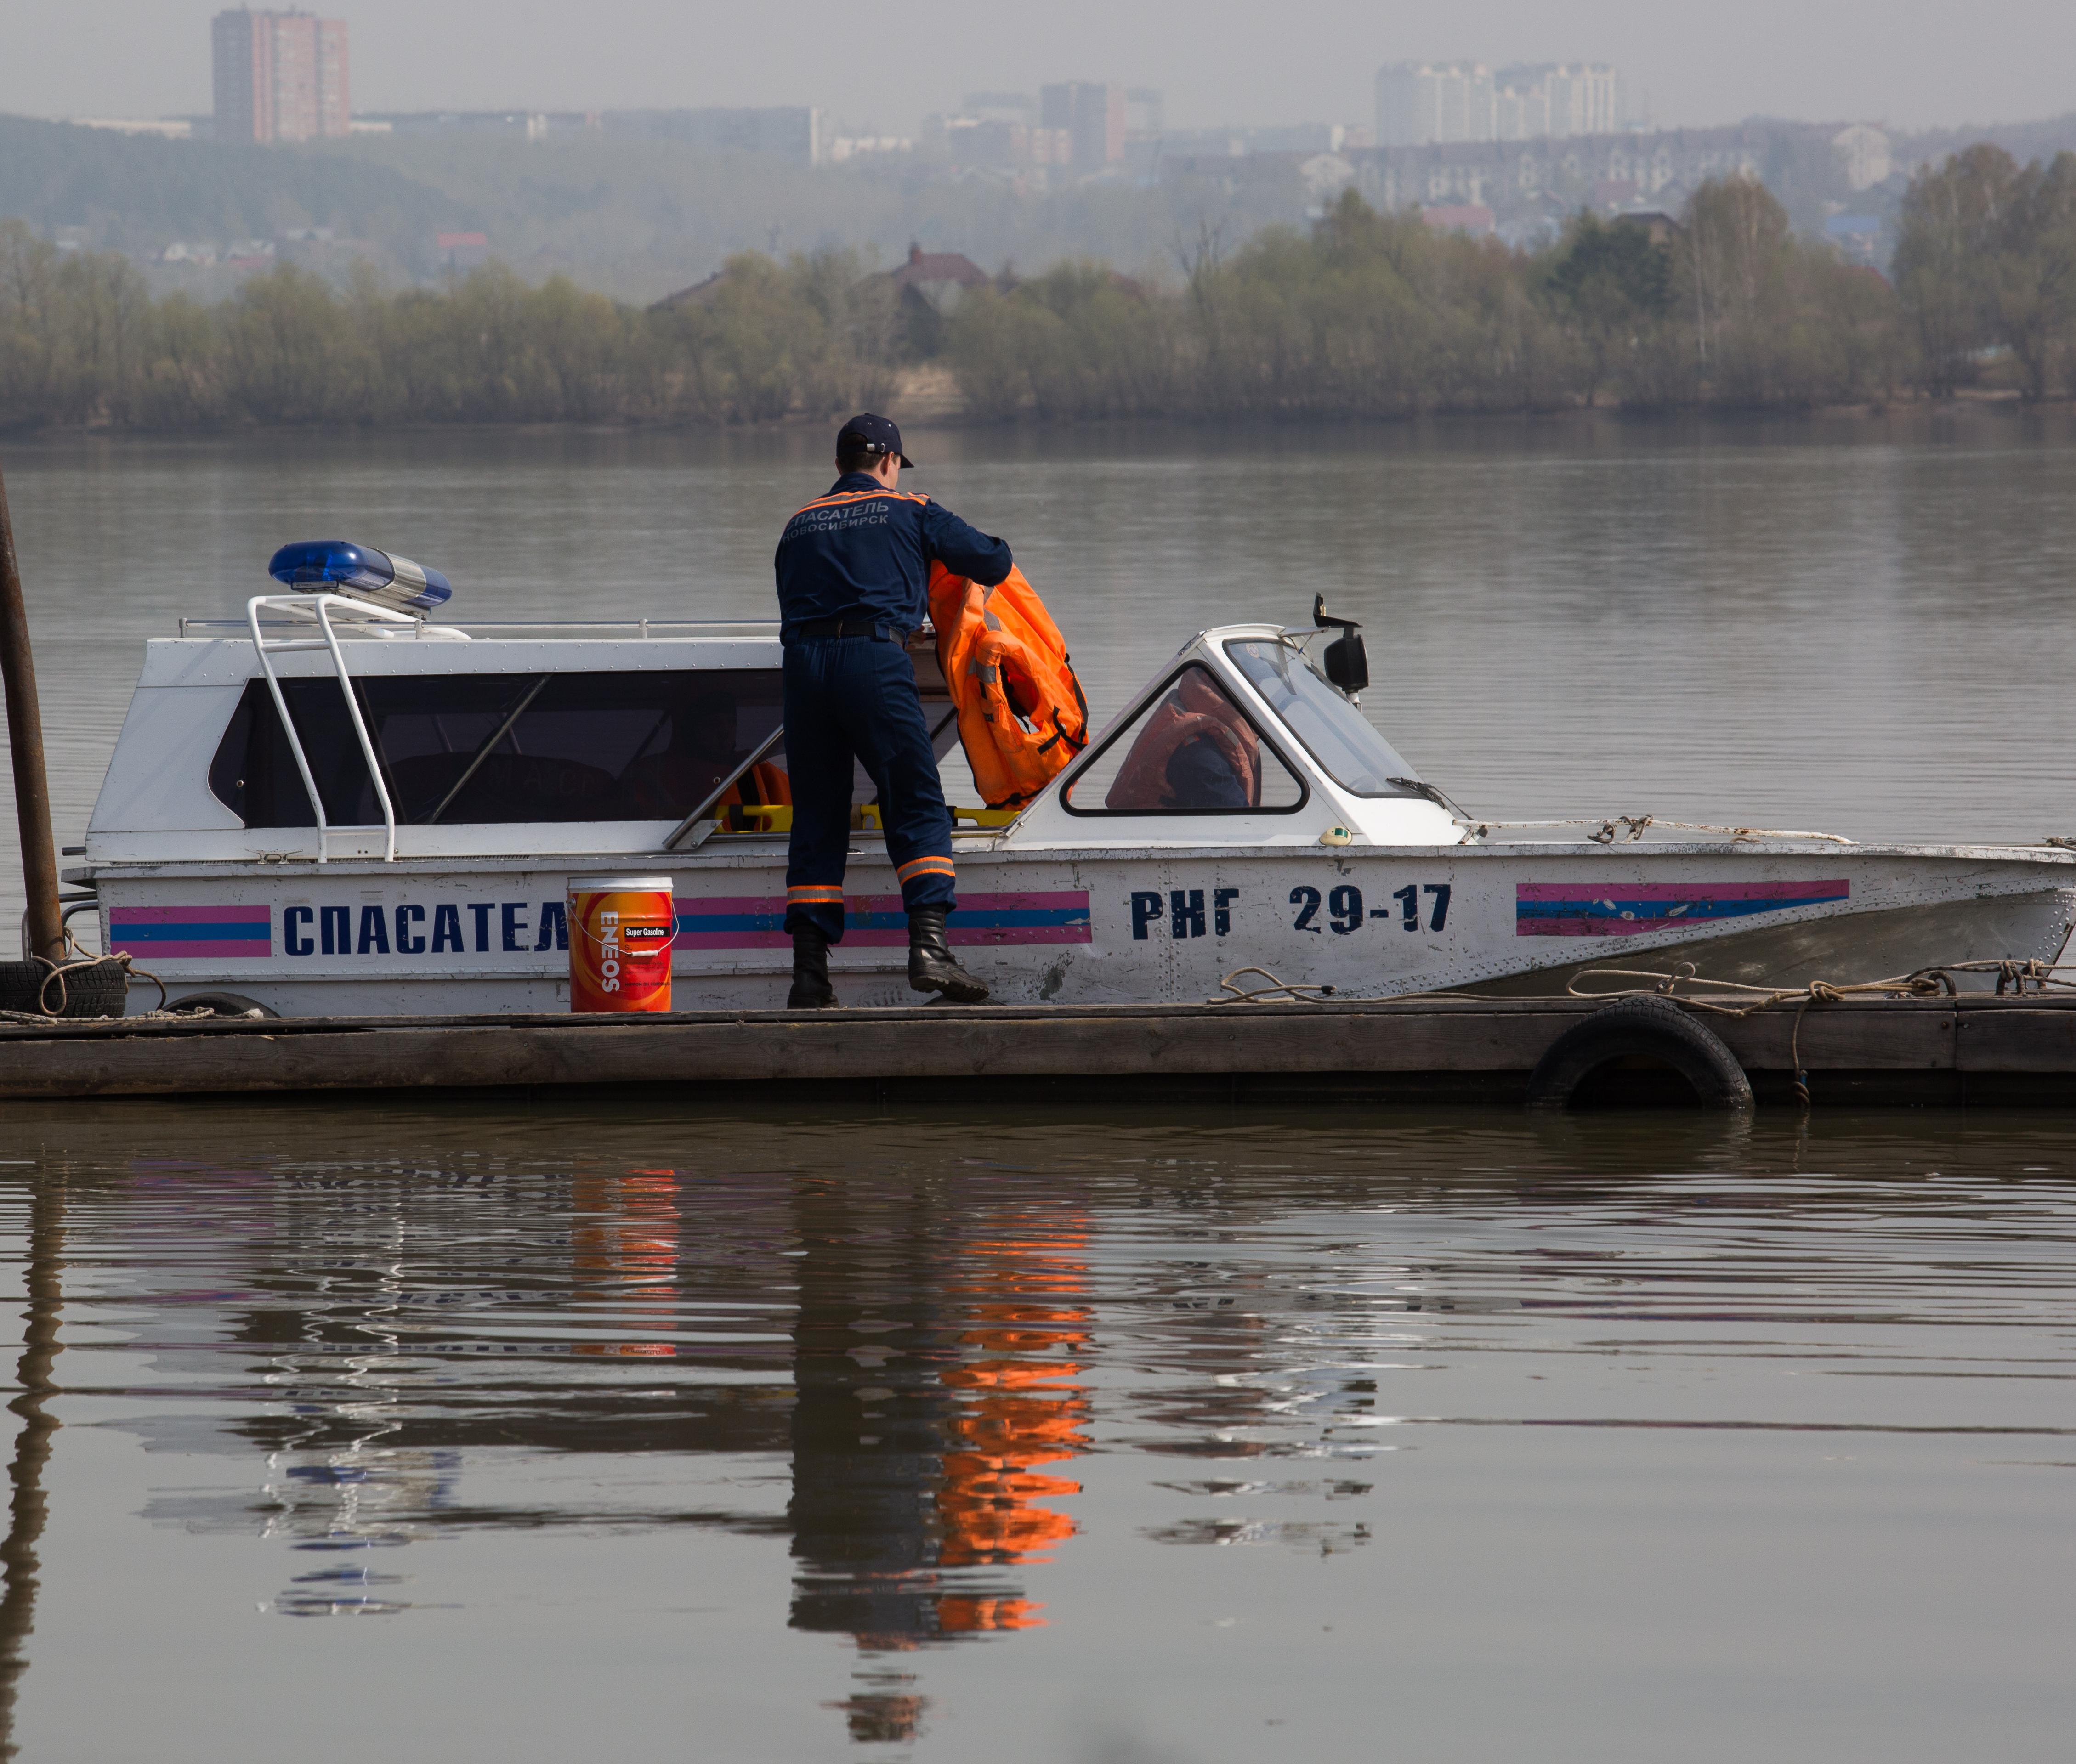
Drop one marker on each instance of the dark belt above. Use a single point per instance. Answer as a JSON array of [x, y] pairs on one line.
[[878, 630]]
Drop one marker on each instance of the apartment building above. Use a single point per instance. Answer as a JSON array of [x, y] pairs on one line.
[[1094, 116], [279, 77], [1427, 103]]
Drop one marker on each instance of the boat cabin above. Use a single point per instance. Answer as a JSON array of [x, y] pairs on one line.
[[416, 741]]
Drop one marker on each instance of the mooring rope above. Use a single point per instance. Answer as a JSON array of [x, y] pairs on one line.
[[82, 958], [1296, 994], [2014, 974]]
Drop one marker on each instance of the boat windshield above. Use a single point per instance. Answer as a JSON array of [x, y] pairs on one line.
[[1335, 733]]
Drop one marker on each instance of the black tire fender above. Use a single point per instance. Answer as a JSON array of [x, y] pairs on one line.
[[1648, 1028], [93, 988], [221, 1004]]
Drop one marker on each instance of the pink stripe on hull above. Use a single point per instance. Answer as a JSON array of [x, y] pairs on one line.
[[192, 916], [146, 954], [1622, 891]]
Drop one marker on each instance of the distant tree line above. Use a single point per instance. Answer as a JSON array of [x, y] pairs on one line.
[[1986, 264], [1366, 315], [82, 343]]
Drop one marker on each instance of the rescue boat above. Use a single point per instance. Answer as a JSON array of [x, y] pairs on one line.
[[343, 803]]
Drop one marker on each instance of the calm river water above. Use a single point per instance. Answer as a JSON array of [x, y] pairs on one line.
[[608, 1426], [609, 1430]]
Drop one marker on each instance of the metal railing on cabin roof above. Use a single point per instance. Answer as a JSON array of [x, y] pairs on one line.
[[679, 629]]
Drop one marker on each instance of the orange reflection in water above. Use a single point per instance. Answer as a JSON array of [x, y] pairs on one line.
[[1021, 1406], [625, 1242]]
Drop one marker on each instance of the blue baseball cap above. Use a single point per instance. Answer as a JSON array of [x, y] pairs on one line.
[[875, 435]]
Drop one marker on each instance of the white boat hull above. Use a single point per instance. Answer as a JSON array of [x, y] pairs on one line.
[[1159, 925]]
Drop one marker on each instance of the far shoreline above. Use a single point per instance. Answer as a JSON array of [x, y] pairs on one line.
[[1996, 409]]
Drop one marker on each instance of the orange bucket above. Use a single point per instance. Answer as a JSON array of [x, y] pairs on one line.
[[620, 932]]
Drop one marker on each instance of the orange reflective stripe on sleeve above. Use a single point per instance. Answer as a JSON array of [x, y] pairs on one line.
[[925, 866], [854, 496]]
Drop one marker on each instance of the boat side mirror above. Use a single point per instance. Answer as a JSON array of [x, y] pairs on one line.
[[1346, 661], [1348, 664]]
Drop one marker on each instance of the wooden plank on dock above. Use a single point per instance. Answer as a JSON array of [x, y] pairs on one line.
[[1872, 1036], [2017, 1040], [1497, 1040]]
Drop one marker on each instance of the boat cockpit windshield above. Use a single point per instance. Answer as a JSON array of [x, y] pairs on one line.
[[1337, 735]]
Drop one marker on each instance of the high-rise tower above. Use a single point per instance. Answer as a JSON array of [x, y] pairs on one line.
[[279, 77], [1093, 116]]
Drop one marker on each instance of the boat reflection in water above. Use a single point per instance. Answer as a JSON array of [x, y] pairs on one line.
[[758, 1448], [936, 1377], [434, 1339]]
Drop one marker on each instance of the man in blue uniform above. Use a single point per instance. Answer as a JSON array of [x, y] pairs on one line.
[[853, 582]]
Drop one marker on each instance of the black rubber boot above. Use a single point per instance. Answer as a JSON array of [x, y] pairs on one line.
[[931, 967], [811, 991]]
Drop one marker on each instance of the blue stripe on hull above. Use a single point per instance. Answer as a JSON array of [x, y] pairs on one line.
[[213, 930], [1005, 919], [1672, 911]]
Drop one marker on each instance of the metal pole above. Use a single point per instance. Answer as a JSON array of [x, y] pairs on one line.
[[25, 747]]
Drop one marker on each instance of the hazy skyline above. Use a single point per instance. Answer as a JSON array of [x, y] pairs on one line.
[[1913, 65]]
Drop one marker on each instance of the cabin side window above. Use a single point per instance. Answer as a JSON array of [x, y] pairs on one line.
[[1192, 751], [476, 748]]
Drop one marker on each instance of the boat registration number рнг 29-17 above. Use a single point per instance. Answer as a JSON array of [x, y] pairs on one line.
[[1196, 912], [1345, 912]]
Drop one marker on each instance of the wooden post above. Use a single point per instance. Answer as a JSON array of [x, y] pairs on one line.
[[28, 1507], [25, 747]]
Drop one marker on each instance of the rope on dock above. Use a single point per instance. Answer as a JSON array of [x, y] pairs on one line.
[[2012, 975]]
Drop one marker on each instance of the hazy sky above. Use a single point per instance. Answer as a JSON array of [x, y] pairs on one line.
[[1914, 63]]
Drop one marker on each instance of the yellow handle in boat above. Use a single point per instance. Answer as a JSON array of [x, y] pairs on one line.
[[778, 817], [866, 815]]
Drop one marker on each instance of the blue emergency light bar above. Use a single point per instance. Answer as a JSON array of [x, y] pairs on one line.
[[363, 571]]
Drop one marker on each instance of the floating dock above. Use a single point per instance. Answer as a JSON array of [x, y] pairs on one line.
[[1976, 1048]]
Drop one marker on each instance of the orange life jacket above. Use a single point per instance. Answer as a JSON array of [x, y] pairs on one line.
[[1022, 716]]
